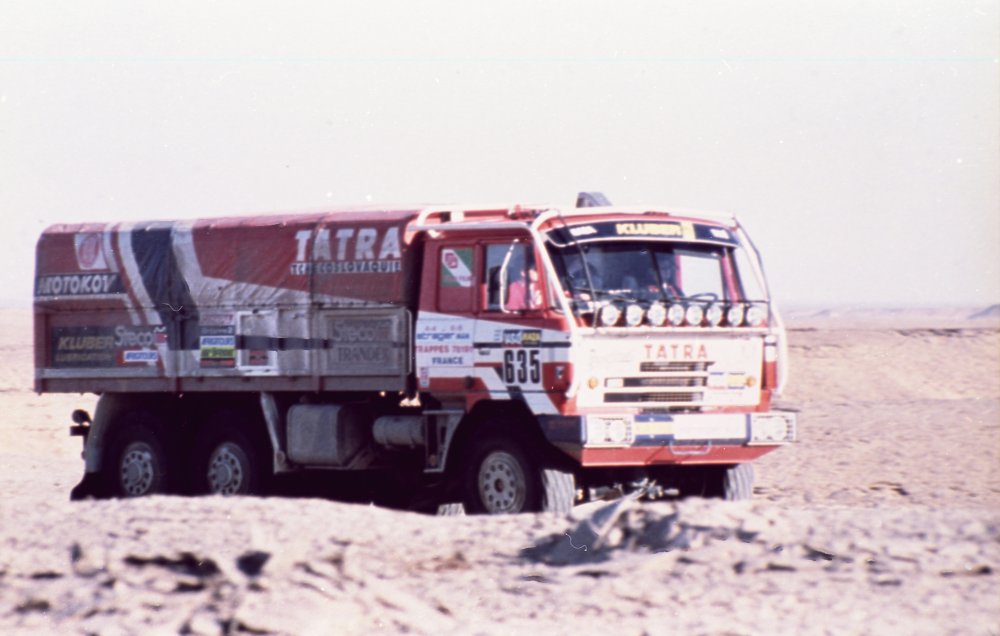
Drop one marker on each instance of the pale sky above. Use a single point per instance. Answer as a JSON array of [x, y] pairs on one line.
[[858, 141]]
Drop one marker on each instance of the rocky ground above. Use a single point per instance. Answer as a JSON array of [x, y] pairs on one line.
[[885, 518]]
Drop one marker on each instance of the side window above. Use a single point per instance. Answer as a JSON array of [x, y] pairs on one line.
[[511, 278], [752, 288], [455, 288]]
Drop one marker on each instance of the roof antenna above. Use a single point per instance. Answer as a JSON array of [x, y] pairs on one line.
[[591, 200]]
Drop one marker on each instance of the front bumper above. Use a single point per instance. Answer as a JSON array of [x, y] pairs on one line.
[[669, 438]]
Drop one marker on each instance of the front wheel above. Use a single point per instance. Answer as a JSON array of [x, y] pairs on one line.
[[731, 483], [737, 482], [500, 477]]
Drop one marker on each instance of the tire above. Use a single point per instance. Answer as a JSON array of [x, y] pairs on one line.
[[737, 482], [558, 491], [731, 483], [500, 477], [139, 462], [230, 463]]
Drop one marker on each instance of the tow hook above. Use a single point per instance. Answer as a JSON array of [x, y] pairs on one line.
[[82, 428]]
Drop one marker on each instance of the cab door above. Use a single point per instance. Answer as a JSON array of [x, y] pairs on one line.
[[511, 348], [443, 337]]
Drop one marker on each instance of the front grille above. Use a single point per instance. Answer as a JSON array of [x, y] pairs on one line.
[[671, 378], [653, 397]]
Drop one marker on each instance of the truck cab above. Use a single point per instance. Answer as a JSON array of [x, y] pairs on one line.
[[639, 343]]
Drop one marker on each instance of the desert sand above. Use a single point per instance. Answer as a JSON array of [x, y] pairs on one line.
[[884, 518]]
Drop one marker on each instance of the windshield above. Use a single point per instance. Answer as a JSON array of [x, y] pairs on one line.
[[651, 271]]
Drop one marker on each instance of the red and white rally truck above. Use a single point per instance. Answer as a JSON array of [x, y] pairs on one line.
[[512, 358]]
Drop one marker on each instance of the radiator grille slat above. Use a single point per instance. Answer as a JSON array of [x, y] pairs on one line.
[[634, 383], [682, 367], [670, 377], [672, 398]]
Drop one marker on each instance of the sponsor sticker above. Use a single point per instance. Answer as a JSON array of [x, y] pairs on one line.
[[456, 267], [522, 338], [684, 229], [147, 356], [78, 285], [90, 251], [364, 344], [102, 347], [444, 343], [79, 347], [217, 346], [641, 229], [345, 250], [582, 230], [258, 358]]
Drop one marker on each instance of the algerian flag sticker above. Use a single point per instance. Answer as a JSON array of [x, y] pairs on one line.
[[456, 267]]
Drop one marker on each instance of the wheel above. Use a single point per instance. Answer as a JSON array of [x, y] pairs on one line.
[[558, 490], [737, 482], [501, 478], [139, 462], [731, 483], [231, 463]]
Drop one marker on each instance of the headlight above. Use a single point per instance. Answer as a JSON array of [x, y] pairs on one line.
[[616, 431], [609, 431], [610, 315], [694, 315], [756, 315], [633, 315], [735, 315], [656, 315], [675, 315], [772, 429], [714, 315]]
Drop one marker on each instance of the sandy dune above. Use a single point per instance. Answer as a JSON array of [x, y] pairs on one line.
[[885, 518]]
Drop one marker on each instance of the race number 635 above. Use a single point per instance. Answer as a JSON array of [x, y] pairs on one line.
[[521, 366]]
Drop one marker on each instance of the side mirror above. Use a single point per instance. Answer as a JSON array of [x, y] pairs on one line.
[[81, 417]]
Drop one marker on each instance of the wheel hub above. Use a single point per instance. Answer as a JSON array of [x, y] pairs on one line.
[[137, 469], [225, 471], [502, 483]]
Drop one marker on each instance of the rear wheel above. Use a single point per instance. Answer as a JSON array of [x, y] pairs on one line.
[[500, 477], [231, 463], [139, 462]]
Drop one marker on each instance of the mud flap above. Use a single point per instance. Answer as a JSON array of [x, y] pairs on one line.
[[89, 487]]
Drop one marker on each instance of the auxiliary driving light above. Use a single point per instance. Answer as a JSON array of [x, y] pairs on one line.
[[657, 314], [769, 430], [675, 315], [756, 315], [610, 315], [735, 315], [714, 315], [633, 315], [609, 431], [616, 431], [694, 315]]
